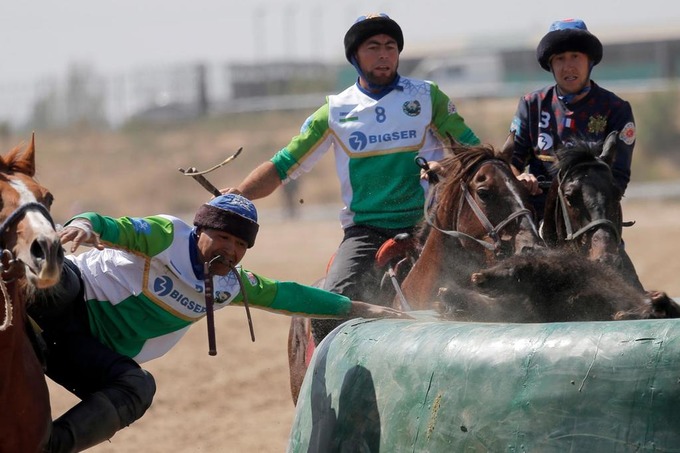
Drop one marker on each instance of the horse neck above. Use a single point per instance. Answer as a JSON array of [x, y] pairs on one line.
[[12, 308], [26, 416]]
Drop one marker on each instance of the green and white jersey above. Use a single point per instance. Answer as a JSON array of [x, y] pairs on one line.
[[375, 142], [146, 288]]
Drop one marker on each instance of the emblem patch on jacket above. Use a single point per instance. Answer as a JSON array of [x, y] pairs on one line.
[[627, 135], [597, 124], [412, 108]]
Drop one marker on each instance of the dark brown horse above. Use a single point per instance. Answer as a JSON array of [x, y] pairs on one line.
[[479, 215], [30, 257], [583, 206], [552, 285]]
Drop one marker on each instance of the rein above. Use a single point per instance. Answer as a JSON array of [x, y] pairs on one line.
[[210, 305], [6, 255], [491, 231], [3, 287], [571, 235]]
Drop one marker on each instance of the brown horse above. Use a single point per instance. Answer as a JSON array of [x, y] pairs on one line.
[[480, 214], [31, 257]]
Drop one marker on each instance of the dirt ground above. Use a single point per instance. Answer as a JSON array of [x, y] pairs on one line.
[[239, 400]]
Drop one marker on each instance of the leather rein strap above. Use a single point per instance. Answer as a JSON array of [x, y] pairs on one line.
[[491, 231], [210, 305], [571, 235]]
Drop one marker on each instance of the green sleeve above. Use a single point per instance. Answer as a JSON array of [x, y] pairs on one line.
[[147, 235], [313, 131], [292, 297], [447, 120]]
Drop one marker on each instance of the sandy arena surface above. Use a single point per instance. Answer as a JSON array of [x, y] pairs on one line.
[[239, 400]]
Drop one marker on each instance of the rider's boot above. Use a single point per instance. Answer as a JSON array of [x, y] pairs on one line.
[[99, 416], [89, 423]]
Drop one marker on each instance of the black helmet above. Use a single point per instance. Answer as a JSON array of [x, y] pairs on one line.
[[370, 25], [568, 35]]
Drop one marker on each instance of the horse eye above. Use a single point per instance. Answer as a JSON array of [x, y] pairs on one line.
[[484, 194], [48, 199]]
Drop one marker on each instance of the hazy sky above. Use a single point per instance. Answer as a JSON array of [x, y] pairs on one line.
[[42, 37]]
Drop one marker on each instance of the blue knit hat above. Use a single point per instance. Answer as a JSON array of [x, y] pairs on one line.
[[232, 213]]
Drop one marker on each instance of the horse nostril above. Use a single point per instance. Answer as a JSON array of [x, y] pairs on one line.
[[38, 248], [527, 249], [45, 248]]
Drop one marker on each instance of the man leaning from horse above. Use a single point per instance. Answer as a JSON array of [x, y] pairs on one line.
[[135, 294]]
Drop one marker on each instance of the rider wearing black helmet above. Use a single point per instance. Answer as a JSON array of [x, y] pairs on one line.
[[376, 128], [575, 108]]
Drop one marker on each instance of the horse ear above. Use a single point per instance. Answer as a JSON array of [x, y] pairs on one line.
[[609, 148], [26, 162], [508, 148]]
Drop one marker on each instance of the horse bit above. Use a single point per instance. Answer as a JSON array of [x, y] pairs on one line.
[[491, 231]]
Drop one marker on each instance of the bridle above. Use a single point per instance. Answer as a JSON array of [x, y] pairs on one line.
[[492, 232], [7, 259], [562, 202]]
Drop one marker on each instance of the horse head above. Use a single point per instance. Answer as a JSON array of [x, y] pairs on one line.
[[484, 203], [478, 213], [583, 205], [29, 243]]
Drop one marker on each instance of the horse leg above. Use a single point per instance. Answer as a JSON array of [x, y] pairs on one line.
[[300, 346]]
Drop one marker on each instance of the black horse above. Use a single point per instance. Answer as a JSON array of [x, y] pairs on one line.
[[583, 206]]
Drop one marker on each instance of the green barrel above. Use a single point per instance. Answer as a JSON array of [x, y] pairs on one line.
[[437, 386]]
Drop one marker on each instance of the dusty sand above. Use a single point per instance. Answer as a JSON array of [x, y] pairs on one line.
[[239, 400]]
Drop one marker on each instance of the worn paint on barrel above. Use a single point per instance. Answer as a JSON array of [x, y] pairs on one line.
[[437, 386]]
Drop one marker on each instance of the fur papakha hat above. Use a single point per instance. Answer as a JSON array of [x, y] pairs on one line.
[[568, 35], [232, 213]]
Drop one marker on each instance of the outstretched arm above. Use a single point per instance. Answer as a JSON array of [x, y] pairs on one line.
[[260, 183], [365, 310]]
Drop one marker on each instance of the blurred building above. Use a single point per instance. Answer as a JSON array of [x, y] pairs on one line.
[[187, 91]]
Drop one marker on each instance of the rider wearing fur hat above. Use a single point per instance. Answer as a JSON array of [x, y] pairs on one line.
[[376, 128], [133, 296], [574, 108]]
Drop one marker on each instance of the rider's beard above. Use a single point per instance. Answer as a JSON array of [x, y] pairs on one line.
[[380, 80]]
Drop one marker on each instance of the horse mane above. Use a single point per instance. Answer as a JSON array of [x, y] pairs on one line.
[[457, 166], [577, 152], [17, 160]]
